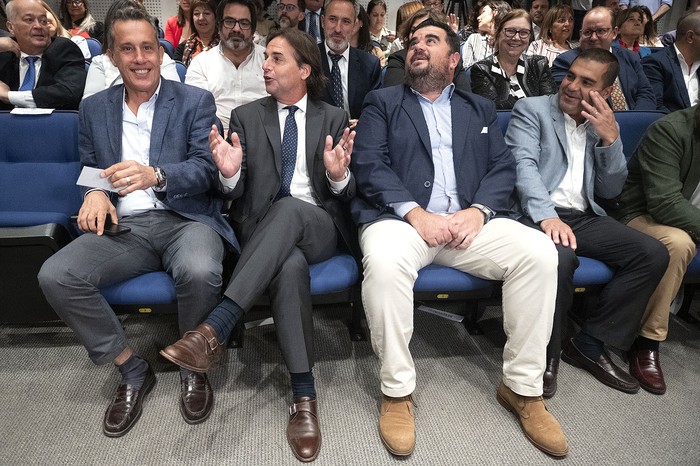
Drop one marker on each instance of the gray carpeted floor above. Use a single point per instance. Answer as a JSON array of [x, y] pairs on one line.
[[53, 399]]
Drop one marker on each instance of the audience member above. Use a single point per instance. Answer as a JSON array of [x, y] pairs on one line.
[[385, 39], [264, 23], [48, 73], [205, 34], [658, 8], [437, 5], [569, 159], [630, 26], [178, 28], [485, 18], [673, 71], [360, 38], [538, 9], [649, 38], [631, 90], [405, 144], [509, 74], [161, 167], [76, 18], [580, 8], [285, 222], [232, 71], [312, 20], [660, 198], [403, 13], [351, 73], [555, 36], [56, 29], [290, 13]]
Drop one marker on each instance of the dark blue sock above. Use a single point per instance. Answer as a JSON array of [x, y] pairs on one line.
[[303, 384], [224, 317], [643, 343], [588, 345], [134, 371]]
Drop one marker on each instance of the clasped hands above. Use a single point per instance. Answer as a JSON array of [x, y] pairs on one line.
[[455, 231]]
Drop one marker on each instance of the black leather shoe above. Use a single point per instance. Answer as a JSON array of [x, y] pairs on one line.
[[125, 410], [603, 369], [196, 398], [646, 368], [550, 378]]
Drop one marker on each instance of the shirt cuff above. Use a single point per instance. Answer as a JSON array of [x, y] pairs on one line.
[[337, 187], [402, 208], [21, 99], [228, 184]]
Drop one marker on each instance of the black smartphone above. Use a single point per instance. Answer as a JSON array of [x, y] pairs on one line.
[[112, 229]]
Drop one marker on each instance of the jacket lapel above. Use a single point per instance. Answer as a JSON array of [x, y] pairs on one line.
[[461, 122], [271, 125], [314, 126], [559, 123], [114, 116], [677, 74], [414, 113], [161, 116]]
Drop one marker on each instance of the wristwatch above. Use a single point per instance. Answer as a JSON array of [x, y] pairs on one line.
[[488, 213], [161, 179]]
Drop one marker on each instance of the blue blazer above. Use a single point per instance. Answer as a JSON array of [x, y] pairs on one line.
[[537, 136], [635, 86], [179, 145], [364, 75], [666, 78], [392, 158]]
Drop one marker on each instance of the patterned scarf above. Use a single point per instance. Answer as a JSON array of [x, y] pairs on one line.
[[194, 46], [516, 89]]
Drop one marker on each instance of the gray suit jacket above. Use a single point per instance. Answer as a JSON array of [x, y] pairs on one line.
[[179, 145], [537, 137], [257, 125]]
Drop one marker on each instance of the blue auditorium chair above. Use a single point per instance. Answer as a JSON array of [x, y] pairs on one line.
[[95, 48], [169, 48], [181, 70]]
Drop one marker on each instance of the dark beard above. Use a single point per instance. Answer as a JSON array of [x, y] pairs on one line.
[[426, 80]]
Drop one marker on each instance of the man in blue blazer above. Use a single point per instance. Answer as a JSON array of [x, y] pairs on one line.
[[359, 71], [667, 69], [598, 32], [569, 156], [150, 139], [432, 172]]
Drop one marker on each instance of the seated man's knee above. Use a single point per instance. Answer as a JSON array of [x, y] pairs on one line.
[[295, 267], [205, 272]]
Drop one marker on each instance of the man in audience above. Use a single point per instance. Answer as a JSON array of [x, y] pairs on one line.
[[290, 13], [286, 218], [631, 90], [660, 198], [437, 5], [49, 73], [428, 192], [312, 20], [149, 138], [232, 71], [351, 73], [672, 72], [569, 158], [538, 8]]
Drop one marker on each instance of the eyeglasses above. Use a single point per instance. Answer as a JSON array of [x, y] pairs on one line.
[[432, 4], [77, 2], [511, 32], [602, 32], [230, 23], [287, 6]]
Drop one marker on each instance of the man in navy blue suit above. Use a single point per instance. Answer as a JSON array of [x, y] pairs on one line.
[[598, 32], [150, 139], [359, 71], [430, 192], [673, 71]]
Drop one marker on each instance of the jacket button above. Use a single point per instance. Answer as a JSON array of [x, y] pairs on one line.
[[426, 184]]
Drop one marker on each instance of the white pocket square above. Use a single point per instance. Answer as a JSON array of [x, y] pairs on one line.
[[485, 130]]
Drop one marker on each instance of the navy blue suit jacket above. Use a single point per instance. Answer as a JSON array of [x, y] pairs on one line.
[[179, 145], [364, 75], [392, 158], [638, 92], [302, 26], [666, 78]]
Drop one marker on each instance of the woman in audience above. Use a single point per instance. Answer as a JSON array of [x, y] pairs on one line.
[[630, 25], [485, 19], [649, 37], [76, 18], [509, 74], [205, 34], [404, 12], [56, 29], [555, 33], [102, 73], [385, 39], [360, 38], [177, 28]]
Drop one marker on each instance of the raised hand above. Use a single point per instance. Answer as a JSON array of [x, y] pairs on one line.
[[337, 159], [227, 157]]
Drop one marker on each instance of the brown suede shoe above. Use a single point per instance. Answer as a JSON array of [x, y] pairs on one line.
[[396, 425], [539, 425], [197, 350], [303, 431]]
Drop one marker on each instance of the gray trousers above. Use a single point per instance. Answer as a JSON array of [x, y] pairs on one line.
[[275, 257], [191, 252]]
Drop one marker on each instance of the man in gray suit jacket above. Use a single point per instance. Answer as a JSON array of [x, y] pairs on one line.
[[150, 138], [286, 168], [569, 156]]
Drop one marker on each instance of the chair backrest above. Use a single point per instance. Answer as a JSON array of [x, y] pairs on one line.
[[181, 70], [169, 48], [633, 125], [39, 164], [94, 46]]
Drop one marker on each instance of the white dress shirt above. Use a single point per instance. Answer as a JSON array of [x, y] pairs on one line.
[[343, 65], [690, 76], [569, 193], [25, 98]]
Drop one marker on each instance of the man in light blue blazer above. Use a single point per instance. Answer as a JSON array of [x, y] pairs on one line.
[[569, 159], [150, 138]]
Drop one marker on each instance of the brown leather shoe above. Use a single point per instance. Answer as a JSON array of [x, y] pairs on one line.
[[549, 380], [396, 425], [196, 398], [538, 424], [123, 412], [303, 431], [197, 350], [646, 368], [603, 369]]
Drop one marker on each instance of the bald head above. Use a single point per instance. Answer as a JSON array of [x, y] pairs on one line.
[[27, 20], [597, 31]]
